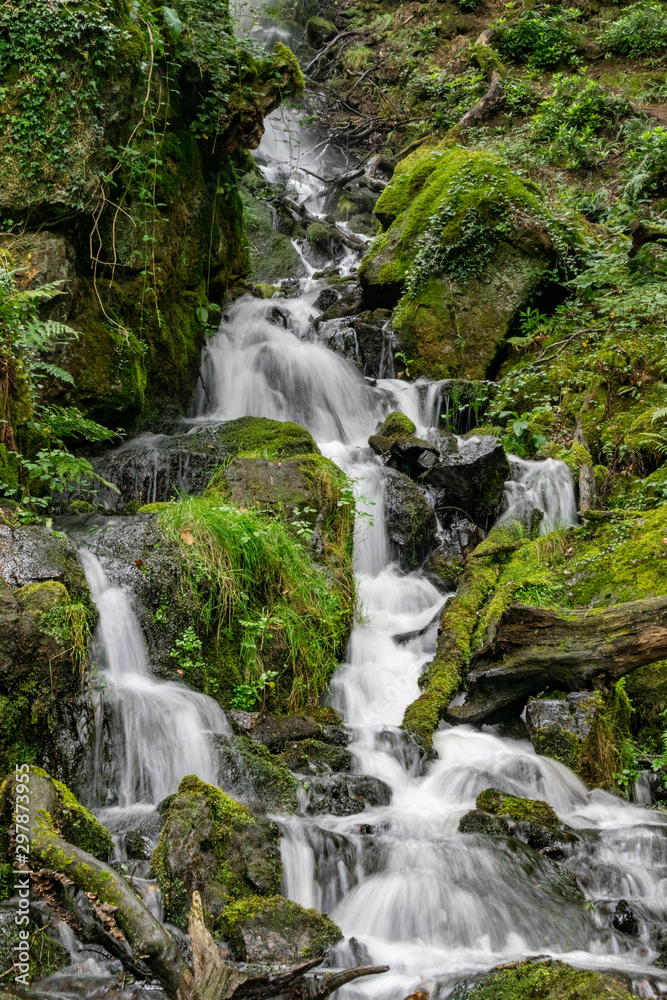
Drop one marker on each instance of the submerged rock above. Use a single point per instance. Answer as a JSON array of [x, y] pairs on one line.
[[410, 521], [342, 794], [277, 931]]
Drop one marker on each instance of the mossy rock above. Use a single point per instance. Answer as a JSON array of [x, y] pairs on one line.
[[548, 980], [79, 826], [489, 252], [647, 690], [496, 802], [261, 437], [320, 31], [254, 774], [276, 930], [272, 256], [213, 844], [315, 757], [47, 955], [393, 428]]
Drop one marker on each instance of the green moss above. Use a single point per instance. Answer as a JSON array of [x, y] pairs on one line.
[[313, 756], [282, 918], [559, 744], [493, 801], [46, 954], [258, 436], [647, 691], [319, 236], [546, 980], [79, 827]]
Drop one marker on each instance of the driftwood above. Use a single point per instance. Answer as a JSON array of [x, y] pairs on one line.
[[494, 96], [343, 36], [145, 944], [537, 648]]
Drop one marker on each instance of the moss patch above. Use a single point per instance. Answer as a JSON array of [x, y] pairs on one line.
[[544, 981]]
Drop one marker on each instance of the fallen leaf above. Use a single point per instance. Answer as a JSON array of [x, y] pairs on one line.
[[187, 537]]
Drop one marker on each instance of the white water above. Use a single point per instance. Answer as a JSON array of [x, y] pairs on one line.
[[414, 893], [158, 729]]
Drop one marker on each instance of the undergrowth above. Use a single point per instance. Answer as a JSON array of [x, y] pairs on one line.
[[257, 585]]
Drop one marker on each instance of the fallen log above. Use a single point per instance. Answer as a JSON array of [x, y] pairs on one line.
[[346, 238], [494, 96], [537, 648]]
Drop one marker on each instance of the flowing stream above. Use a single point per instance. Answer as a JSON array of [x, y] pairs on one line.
[[406, 888]]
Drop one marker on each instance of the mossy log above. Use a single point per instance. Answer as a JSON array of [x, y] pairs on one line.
[[536, 648], [148, 940]]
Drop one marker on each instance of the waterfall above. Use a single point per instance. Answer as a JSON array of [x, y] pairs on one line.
[[158, 729], [545, 487]]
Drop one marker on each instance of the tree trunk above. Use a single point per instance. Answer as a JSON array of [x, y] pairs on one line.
[[537, 648]]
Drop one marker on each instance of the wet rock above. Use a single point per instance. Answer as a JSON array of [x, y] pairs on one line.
[[376, 343], [530, 820], [277, 931], [342, 794], [574, 712], [250, 772], [348, 304], [273, 257], [276, 731], [31, 554], [395, 426], [136, 846], [315, 757], [413, 456], [624, 919], [409, 520], [213, 844], [471, 478], [327, 298], [459, 536]]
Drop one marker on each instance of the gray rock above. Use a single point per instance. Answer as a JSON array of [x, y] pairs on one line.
[[342, 794], [413, 456], [278, 931], [471, 478], [409, 520], [275, 731], [35, 554], [316, 757], [574, 713]]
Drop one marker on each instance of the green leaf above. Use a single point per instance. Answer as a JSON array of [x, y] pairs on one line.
[[174, 22], [202, 314], [519, 427]]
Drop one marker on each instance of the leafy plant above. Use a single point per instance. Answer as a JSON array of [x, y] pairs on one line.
[[187, 651], [247, 695], [640, 31], [649, 159], [543, 39]]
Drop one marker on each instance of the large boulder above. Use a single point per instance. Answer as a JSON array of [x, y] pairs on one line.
[[466, 243], [215, 845], [530, 820], [277, 931], [471, 478], [251, 773], [410, 520]]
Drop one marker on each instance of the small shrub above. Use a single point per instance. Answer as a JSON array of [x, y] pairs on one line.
[[469, 5], [577, 103], [543, 40], [649, 159], [641, 31]]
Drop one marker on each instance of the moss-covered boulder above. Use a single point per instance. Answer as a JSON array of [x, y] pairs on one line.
[[530, 820], [315, 757], [544, 980], [466, 243], [213, 844], [272, 255], [320, 31], [275, 930]]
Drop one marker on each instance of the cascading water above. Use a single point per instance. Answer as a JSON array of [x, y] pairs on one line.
[[158, 729], [406, 888]]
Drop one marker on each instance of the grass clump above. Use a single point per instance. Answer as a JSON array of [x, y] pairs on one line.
[[260, 591]]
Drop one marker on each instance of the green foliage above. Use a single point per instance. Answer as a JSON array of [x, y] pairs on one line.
[[258, 588], [640, 31], [649, 159], [544, 980], [545, 40], [187, 651], [247, 695], [46, 465]]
